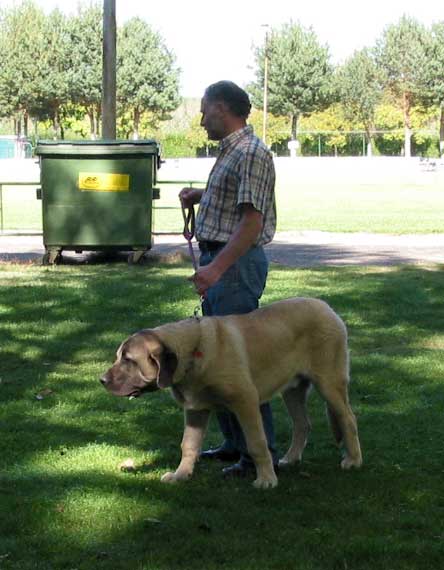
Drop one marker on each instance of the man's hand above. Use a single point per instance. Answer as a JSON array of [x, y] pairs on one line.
[[244, 236], [205, 277], [190, 196]]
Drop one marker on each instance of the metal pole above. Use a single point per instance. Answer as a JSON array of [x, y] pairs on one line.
[[109, 70], [264, 124], [1, 208]]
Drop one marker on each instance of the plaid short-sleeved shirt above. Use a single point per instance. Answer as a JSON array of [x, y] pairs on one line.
[[242, 174]]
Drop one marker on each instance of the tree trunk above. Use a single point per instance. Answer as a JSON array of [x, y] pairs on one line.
[[441, 132], [369, 141], [25, 123], [92, 124], [56, 124], [407, 126], [136, 124], [98, 118], [294, 125]]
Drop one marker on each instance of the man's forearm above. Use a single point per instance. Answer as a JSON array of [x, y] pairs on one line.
[[242, 239]]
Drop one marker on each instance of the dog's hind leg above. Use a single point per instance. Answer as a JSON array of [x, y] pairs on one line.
[[334, 424], [295, 399], [333, 389]]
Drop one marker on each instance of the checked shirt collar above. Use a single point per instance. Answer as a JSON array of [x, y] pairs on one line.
[[233, 138]]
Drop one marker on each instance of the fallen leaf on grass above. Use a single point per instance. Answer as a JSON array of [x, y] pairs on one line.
[[44, 394], [152, 520], [128, 466]]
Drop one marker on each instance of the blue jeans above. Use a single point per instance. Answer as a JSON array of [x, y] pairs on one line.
[[238, 292]]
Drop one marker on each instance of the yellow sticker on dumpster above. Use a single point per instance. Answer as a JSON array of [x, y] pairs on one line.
[[103, 182]]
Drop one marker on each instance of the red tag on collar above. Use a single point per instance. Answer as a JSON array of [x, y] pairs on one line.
[[197, 354]]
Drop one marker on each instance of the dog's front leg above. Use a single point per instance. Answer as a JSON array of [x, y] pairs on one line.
[[196, 422]]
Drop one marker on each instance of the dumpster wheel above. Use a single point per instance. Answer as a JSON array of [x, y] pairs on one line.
[[135, 257], [52, 257]]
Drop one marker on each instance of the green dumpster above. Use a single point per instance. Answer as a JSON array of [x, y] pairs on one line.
[[97, 195]]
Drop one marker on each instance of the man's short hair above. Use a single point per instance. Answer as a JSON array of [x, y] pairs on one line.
[[235, 98]]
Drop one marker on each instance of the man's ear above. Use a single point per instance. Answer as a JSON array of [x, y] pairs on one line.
[[166, 363], [222, 107]]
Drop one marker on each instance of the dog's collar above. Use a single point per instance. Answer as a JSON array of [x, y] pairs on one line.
[[195, 355]]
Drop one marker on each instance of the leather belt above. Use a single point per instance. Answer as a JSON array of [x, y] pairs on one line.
[[206, 246]]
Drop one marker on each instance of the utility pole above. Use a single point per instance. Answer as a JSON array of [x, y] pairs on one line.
[[109, 70], [264, 124]]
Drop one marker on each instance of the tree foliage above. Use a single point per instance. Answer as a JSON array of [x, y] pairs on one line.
[[51, 73], [360, 91], [402, 57], [299, 74], [51, 69], [147, 77], [333, 122], [278, 127], [85, 62], [52, 88], [435, 74], [21, 45]]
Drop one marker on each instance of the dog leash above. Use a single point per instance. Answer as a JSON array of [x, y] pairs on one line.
[[189, 221]]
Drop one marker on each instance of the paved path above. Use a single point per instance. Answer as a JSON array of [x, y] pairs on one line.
[[295, 249]]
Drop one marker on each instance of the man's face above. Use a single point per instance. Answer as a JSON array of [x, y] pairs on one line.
[[213, 113]]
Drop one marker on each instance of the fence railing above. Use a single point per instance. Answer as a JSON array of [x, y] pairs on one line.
[[4, 183], [181, 183], [34, 183]]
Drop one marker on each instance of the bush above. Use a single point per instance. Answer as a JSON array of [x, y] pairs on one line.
[[177, 145]]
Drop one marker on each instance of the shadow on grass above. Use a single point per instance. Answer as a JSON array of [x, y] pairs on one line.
[[68, 506]]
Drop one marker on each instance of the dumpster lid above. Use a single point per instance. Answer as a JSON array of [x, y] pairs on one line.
[[97, 147]]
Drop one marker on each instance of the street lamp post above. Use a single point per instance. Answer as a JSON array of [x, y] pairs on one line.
[[109, 70], [264, 124]]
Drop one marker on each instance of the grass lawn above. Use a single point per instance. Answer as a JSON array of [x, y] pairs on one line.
[[333, 207], [66, 505]]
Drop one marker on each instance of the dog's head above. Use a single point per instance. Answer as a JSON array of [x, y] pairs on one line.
[[143, 364]]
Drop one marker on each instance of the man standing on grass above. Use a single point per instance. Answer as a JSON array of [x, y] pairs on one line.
[[236, 218]]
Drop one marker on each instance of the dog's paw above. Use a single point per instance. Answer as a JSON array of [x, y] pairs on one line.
[[171, 477], [265, 483], [348, 463], [168, 477], [286, 462]]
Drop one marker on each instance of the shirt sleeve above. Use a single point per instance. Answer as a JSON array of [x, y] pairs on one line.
[[256, 171]]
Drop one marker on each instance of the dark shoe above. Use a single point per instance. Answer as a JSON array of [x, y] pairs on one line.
[[239, 470], [220, 454], [242, 469]]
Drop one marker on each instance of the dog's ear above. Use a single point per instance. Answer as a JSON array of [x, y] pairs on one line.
[[161, 360], [166, 362]]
